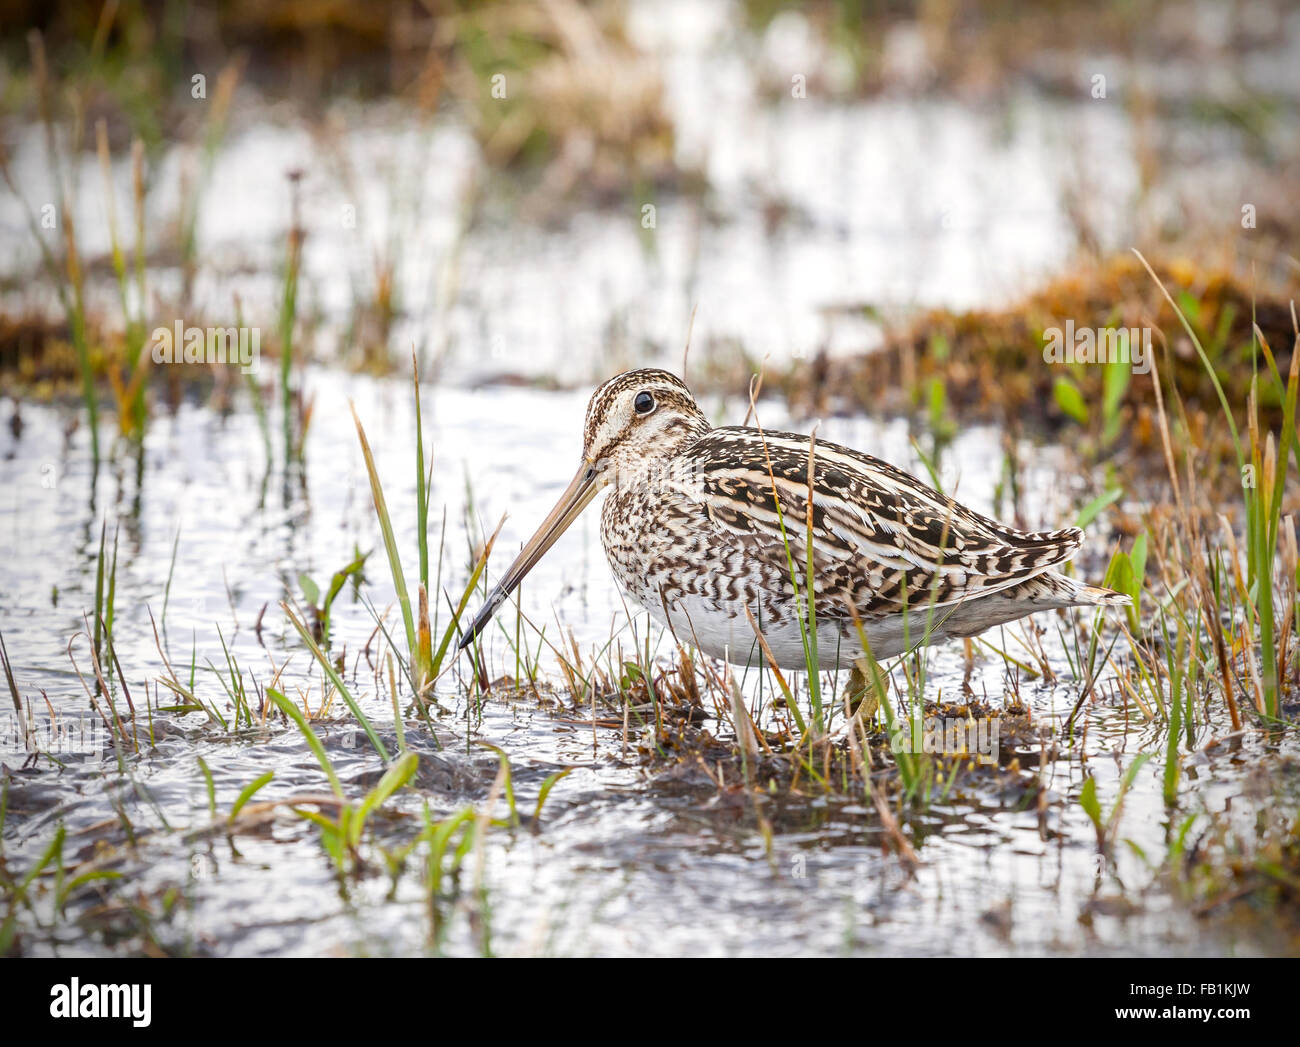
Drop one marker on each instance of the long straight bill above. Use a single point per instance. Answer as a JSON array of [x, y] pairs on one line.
[[576, 497]]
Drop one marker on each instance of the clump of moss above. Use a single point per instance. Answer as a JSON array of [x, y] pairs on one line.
[[991, 363]]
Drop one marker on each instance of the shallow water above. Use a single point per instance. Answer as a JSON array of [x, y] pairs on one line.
[[632, 857], [814, 211]]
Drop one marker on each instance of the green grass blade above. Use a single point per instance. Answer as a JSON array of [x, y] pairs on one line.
[[248, 792], [386, 528], [401, 772], [313, 742], [337, 680]]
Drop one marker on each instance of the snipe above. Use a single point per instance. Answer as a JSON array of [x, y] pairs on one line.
[[704, 524]]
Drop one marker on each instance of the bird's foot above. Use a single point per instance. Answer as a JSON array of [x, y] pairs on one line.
[[860, 692]]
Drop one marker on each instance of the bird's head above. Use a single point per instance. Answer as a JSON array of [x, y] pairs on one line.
[[636, 423], [638, 417]]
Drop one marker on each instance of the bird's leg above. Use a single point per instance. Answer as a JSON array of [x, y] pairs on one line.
[[860, 692]]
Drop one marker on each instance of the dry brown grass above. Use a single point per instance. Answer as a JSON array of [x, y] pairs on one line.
[[991, 361]]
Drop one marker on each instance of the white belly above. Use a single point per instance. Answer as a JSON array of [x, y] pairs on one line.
[[726, 633]]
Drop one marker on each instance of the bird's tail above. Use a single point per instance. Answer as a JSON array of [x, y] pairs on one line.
[[1099, 596], [1051, 589]]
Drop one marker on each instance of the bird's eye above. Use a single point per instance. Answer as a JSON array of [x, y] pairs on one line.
[[644, 403]]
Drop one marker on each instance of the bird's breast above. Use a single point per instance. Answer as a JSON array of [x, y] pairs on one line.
[[665, 547]]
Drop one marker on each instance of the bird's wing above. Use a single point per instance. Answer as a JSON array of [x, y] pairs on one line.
[[882, 540]]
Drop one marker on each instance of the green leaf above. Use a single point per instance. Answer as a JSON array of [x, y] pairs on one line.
[[938, 400], [340, 579], [337, 680], [1121, 577], [53, 851], [1093, 509], [545, 791], [1179, 843], [631, 675], [509, 785], [1119, 572], [1139, 560], [1088, 801], [207, 775], [326, 825], [247, 793], [295, 714], [1115, 383], [1136, 849], [80, 881], [1127, 783], [401, 772], [332, 841], [1070, 400], [386, 529], [310, 591]]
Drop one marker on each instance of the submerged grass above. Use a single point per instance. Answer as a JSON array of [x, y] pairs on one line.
[[425, 664], [991, 363]]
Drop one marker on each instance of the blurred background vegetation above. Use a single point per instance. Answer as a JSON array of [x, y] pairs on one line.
[[580, 109]]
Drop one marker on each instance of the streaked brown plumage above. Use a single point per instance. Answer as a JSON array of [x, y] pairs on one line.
[[704, 524]]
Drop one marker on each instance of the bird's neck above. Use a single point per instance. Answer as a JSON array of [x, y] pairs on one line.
[[659, 461]]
